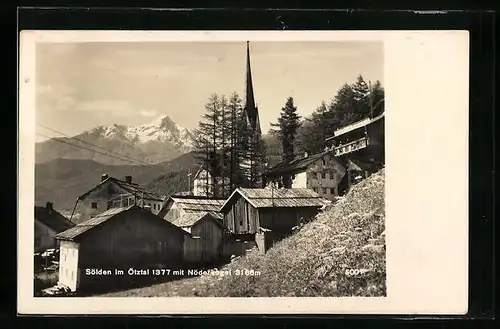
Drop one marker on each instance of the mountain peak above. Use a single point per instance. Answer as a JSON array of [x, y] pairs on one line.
[[157, 141], [161, 120]]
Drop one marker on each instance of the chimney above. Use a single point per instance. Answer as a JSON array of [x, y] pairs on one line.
[[49, 205], [104, 177], [128, 179]]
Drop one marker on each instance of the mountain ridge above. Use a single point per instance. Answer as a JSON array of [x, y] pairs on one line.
[[61, 181], [152, 143]]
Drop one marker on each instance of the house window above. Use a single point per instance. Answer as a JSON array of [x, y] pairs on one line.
[[315, 189], [324, 190], [332, 190], [323, 175], [94, 205], [241, 223]]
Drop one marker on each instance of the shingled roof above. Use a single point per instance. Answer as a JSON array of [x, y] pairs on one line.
[[282, 198], [193, 204], [53, 219], [189, 219], [86, 226], [131, 188]]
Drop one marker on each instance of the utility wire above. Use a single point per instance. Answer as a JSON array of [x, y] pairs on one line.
[[96, 146], [88, 149], [108, 155]]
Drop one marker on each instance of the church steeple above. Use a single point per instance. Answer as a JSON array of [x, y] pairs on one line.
[[250, 106]]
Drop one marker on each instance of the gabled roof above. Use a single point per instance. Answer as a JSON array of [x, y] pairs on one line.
[[297, 164], [282, 198], [52, 219], [86, 226], [131, 188], [190, 219], [192, 204]]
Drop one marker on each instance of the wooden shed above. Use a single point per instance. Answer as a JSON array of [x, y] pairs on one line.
[[206, 226], [248, 211], [118, 239]]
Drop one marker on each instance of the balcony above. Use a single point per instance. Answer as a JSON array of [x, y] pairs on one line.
[[352, 146]]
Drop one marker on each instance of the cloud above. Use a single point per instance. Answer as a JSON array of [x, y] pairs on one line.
[[58, 98], [104, 105], [148, 113]]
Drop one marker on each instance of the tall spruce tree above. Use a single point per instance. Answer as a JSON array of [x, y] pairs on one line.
[[343, 105], [239, 140], [286, 129], [313, 131], [208, 143], [377, 98], [361, 99], [222, 145]]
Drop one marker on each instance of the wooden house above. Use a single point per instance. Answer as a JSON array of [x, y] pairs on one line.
[[179, 205], [363, 140], [112, 192], [48, 222], [323, 173], [250, 211], [207, 226], [118, 239]]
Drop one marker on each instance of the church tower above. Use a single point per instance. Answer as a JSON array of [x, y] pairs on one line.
[[250, 107], [255, 148]]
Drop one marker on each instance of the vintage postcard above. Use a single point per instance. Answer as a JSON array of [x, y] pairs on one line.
[[269, 172]]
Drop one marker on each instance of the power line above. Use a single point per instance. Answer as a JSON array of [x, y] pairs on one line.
[[96, 146], [178, 185], [88, 149]]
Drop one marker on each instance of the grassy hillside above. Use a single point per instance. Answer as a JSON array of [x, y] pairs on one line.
[[61, 181], [312, 262]]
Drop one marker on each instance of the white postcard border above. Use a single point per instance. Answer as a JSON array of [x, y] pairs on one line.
[[427, 85]]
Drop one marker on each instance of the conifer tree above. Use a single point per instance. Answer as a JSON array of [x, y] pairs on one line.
[[287, 127], [208, 143]]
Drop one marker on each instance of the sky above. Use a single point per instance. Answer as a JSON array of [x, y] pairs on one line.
[[83, 85]]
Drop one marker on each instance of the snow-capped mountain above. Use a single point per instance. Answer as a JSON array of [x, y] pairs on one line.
[[162, 129], [158, 141]]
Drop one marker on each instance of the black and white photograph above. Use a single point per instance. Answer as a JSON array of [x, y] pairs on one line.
[[210, 169], [238, 167]]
